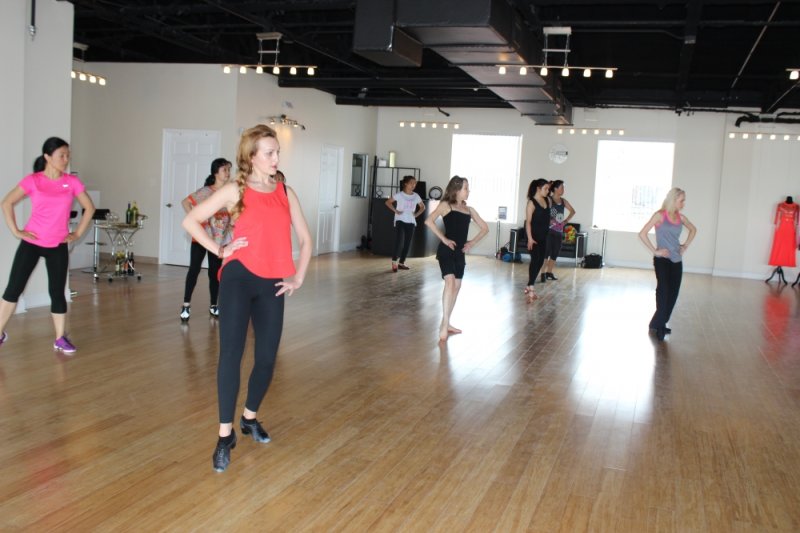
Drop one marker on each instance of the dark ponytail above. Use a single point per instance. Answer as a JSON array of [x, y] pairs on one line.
[[215, 166], [535, 184], [39, 164], [50, 145]]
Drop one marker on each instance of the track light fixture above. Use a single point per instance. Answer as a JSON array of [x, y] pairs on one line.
[[82, 75], [794, 73], [585, 131], [544, 69], [283, 120], [433, 125], [761, 136], [310, 70]]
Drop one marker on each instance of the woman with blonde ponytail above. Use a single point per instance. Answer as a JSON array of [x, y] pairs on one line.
[[257, 271], [667, 255]]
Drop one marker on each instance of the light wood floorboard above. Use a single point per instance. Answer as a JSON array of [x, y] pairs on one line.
[[560, 415]]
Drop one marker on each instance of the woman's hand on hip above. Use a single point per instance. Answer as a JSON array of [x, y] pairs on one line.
[[71, 237], [288, 286], [232, 246], [27, 235]]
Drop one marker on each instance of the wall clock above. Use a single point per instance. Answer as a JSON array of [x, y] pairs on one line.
[[558, 153]]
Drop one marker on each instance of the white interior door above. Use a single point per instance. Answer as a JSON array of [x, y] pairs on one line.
[[187, 156], [330, 186]]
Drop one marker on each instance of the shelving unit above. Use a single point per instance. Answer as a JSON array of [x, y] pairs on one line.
[[384, 183]]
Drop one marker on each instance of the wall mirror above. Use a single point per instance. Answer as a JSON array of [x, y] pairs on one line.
[[359, 185]]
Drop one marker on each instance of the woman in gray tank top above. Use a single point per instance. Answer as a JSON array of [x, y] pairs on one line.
[[667, 255]]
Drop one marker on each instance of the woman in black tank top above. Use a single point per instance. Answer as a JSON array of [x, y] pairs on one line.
[[456, 216], [537, 224]]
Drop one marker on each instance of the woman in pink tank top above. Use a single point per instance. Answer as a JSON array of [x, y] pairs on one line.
[[256, 273]]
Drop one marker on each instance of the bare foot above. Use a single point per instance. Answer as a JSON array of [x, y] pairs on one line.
[[443, 335], [453, 330]]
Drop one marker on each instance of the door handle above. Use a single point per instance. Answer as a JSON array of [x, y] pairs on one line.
[[169, 205]]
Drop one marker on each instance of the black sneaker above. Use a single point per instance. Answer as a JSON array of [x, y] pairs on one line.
[[222, 454], [185, 313], [213, 311], [254, 429]]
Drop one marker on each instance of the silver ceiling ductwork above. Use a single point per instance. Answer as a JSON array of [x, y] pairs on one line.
[[474, 35]]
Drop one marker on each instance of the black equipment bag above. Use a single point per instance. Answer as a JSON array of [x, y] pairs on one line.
[[593, 261]]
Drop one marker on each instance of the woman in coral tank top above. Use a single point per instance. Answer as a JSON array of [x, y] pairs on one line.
[[257, 271]]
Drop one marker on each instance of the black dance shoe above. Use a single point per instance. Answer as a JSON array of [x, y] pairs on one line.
[[222, 454], [667, 331], [254, 429], [550, 275], [661, 333], [543, 277]]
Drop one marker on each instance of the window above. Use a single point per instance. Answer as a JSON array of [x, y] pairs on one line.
[[633, 177], [491, 164]]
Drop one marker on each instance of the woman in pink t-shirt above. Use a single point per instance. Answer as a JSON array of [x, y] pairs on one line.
[[46, 234]]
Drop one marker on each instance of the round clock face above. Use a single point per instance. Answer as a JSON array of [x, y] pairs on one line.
[[435, 193], [558, 153]]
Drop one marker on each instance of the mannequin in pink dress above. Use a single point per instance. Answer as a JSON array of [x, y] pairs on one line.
[[784, 242]]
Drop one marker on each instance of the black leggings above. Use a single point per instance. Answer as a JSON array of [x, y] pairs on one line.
[[195, 265], [537, 260], [668, 284], [246, 297], [57, 262], [403, 231]]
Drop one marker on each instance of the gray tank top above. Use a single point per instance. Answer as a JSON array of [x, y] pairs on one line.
[[668, 235]]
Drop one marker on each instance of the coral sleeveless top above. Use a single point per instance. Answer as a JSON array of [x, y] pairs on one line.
[[267, 224]]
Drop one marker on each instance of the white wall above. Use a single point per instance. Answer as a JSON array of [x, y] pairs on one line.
[[117, 130], [758, 175], [117, 133], [349, 127], [731, 189], [35, 103]]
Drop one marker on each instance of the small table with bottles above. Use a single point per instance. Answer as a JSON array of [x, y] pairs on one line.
[[121, 235]]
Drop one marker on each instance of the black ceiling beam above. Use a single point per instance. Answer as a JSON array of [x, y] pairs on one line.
[[693, 11], [599, 4], [194, 8], [158, 30], [584, 24], [477, 102], [317, 82]]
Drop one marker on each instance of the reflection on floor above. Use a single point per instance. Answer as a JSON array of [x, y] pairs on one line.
[[560, 415]]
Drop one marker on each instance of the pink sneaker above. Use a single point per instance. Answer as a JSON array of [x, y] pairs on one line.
[[62, 344], [4, 338]]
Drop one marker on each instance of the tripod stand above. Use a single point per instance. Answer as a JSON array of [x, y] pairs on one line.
[[781, 277]]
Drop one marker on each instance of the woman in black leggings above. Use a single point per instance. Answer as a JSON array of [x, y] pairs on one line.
[[46, 234], [218, 228], [537, 224], [257, 272]]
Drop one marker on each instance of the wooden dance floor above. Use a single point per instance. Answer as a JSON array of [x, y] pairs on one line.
[[561, 415]]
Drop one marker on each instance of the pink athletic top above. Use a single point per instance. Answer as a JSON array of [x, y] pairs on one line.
[[267, 224], [51, 202]]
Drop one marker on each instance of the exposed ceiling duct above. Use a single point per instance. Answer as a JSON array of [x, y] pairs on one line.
[[780, 118], [474, 35]]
